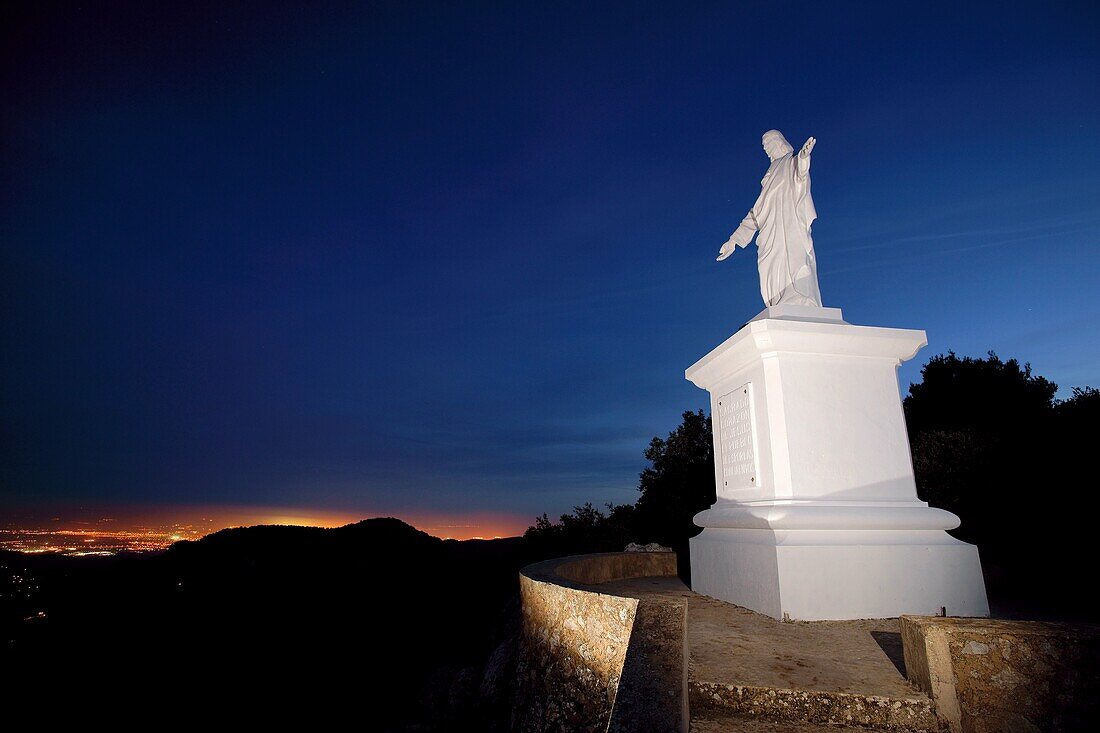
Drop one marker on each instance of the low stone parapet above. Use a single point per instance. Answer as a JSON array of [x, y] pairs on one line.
[[994, 676], [593, 661]]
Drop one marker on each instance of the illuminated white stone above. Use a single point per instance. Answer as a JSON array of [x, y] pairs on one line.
[[817, 514], [781, 219]]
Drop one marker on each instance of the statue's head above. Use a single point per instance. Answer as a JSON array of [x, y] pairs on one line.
[[775, 145]]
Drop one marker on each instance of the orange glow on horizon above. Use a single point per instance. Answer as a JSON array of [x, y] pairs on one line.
[[482, 525], [191, 522]]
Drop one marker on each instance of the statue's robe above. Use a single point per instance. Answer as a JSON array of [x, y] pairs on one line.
[[782, 216]]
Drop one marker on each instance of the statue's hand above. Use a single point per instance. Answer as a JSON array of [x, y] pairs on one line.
[[808, 147], [727, 249]]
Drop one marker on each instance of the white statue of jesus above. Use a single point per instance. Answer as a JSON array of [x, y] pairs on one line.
[[782, 215]]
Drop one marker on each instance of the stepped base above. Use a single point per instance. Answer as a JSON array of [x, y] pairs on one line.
[[835, 574]]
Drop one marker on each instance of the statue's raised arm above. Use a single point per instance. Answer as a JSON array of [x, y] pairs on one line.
[[804, 156], [781, 219]]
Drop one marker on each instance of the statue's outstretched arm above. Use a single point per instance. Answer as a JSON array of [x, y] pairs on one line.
[[803, 160], [740, 237]]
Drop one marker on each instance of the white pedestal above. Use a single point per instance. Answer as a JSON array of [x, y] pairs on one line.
[[817, 514]]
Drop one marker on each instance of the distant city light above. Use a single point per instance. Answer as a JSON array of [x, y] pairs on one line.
[[108, 535], [98, 542]]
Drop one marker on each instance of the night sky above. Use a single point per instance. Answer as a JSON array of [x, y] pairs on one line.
[[451, 260]]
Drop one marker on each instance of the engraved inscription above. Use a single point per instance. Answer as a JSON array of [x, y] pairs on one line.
[[738, 441]]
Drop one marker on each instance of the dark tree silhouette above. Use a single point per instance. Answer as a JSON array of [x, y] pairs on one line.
[[973, 425], [679, 482], [586, 529], [985, 394], [992, 444]]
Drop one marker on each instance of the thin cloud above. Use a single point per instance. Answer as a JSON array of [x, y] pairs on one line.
[[1045, 229], [956, 250]]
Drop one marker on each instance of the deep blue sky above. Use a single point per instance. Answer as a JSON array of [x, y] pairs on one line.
[[386, 258]]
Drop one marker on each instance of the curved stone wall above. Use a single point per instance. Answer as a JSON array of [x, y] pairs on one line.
[[580, 647], [608, 566]]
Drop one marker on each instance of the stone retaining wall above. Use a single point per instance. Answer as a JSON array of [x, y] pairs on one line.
[[591, 661], [992, 676]]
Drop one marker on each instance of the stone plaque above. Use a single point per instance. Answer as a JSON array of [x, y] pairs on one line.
[[738, 440]]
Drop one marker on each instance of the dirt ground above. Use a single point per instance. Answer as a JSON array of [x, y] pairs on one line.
[[732, 645]]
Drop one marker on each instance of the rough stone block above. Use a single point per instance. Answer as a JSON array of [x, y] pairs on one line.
[[988, 676]]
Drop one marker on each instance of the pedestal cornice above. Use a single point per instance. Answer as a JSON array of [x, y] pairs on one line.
[[915, 516], [773, 335]]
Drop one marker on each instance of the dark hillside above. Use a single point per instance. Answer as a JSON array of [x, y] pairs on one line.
[[374, 615]]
